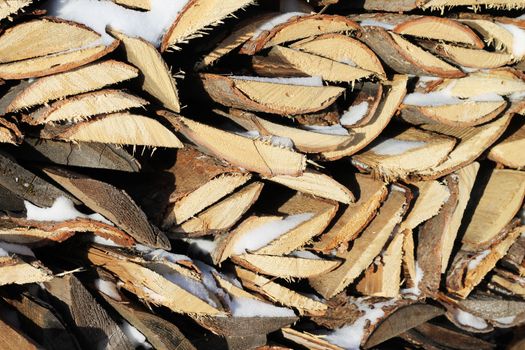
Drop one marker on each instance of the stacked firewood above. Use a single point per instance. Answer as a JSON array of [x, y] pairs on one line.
[[321, 175]]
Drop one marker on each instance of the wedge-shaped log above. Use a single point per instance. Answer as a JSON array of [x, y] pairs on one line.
[[501, 199], [408, 152], [354, 218], [18, 265], [12, 338], [383, 277], [196, 16], [119, 129], [469, 268], [296, 27], [317, 184], [472, 58], [308, 340], [9, 8], [404, 57], [344, 49], [285, 266], [80, 309], [23, 40], [365, 248], [367, 133], [253, 155], [315, 65], [113, 203], [223, 215], [55, 63], [157, 78], [269, 97], [86, 105], [363, 107], [77, 81], [280, 294], [472, 142], [508, 150], [150, 285], [9, 132]]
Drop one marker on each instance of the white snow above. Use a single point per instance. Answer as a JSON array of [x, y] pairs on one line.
[[489, 97], [517, 96], [281, 141], [304, 254], [264, 234], [275, 21], [348, 61], [418, 278], [350, 337], [251, 134], [469, 320], [374, 23], [3, 252], [134, 335], [392, 147], [336, 129], [161, 254], [62, 209], [354, 114], [518, 39], [104, 241], [150, 25], [13, 248], [301, 81], [505, 320], [479, 258], [108, 288], [247, 307], [200, 245]]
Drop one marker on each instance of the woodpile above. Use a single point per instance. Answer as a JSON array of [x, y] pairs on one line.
[[209, 174]]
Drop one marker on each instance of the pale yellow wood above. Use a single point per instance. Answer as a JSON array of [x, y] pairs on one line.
[[196, 16], [498, 4], [314, 65], [355, 217], [466, 178], [80, 107], [309, 341], [470, 113], [484, 82], [233, 290], [409, 261], [80, 80], [11, 7], [365, 248], [285, 266], [509, 151], [253, 155], [431, 150], [135, 4], [158, 81], [317, 184], [502, 198], [431, 196], [123, 129], [492, 33], [204, 196], [280, 294], [14, 270], [367, 133], [472, 142], [26, 40], [474, 58], [342, 48], [224, 214]]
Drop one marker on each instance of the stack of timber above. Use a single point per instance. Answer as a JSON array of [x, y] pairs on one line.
[[207, 174]]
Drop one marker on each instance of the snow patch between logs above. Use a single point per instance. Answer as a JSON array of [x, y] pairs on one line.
[[62, 209]]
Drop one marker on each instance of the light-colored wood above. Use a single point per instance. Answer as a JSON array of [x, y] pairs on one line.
[[122, 129], [13, 339], [223, 215], [9, 8], [509, 151], [473, 58], [308, 340], [314, 65], [496, 4], [233, 290], [299, 27], [280, 294], [15, 270], [24, 41], [84, 79], [409, 261], [366, 247], [285, 266], [344, 49], [135, 4], [354, 218], [501, 199], [384, 277], [79, 107], [253, 155], [430, 150], [157, 78], [367, 133], [150, 285], [196, 16], [269, 97], [472, 142], [52, 64], [317, 184]]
